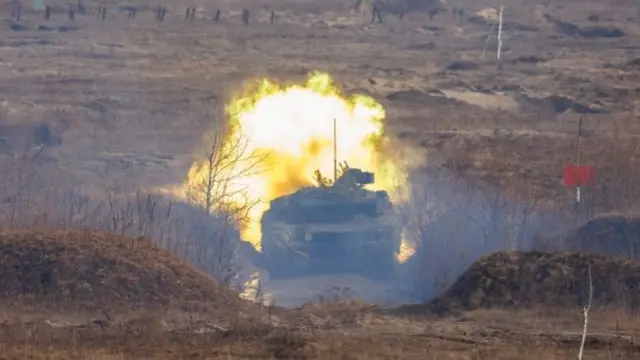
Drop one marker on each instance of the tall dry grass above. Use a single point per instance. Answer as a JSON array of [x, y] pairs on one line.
[[37, 195]]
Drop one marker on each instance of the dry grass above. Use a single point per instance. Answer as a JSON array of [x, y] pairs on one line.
[[458, 341], [616, 235], [92, 270], [147, 343], [91, 98], [125, 99], [201, 320], [530, 279]]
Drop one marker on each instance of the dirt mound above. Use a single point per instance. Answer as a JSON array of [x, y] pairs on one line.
[[531, 279], [90, 270], [571, 29], [612, 235], [632, 63], [402, 6], [559, 104], [462, 65]]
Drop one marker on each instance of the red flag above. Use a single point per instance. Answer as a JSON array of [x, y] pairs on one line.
[[576, 175]]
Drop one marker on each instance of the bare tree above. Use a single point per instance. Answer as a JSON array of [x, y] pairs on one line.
[[217, 184], [203, 230], [451, 221], [585, 313]]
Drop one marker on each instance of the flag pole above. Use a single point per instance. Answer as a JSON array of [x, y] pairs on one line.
[[578, 197]]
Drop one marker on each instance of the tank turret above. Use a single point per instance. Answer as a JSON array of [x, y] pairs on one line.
[[331, 228]]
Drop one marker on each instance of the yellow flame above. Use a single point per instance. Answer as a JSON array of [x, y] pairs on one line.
[[293, 126]]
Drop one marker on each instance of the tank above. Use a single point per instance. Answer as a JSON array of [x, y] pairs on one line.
[[341, 228]]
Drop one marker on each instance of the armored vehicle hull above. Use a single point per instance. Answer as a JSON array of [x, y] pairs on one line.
[[330, 230]]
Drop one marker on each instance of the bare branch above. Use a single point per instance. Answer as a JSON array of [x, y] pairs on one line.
[[585, 311]]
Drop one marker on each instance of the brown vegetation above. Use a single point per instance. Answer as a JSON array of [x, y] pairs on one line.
[[616, 235], [93, 270], [538, 279], [499, 132]]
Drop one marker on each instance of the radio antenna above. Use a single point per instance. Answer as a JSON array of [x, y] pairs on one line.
[[335, 151]]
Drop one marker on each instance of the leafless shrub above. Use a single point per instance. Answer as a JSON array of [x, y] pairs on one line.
[[216, 186], [452, 221], [215, 182], [203, 229], [34, 196]]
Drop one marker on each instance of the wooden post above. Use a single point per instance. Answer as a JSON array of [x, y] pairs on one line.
[[335, 151], [432, 13], [160, 12], [375, 14], [578, 194], [500, 32], [245, 16], [80, 8], [132, 12], [72, 12]]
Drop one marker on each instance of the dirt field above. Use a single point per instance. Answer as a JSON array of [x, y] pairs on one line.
[[123, 103], [112, 298], [129, 98]]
